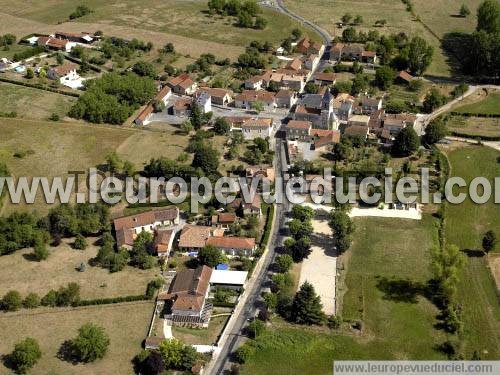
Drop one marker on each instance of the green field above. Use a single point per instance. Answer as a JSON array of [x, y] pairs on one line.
[[489, 106], [465, 226], [33, 103]]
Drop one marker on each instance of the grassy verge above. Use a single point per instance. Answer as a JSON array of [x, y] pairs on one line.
[[202, 336]]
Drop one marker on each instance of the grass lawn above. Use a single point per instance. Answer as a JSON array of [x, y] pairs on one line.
[[21, 273], [12, 50], [126, 324], [202, 336], [465, 226], [475, 126], [33, 103], [489, 105]]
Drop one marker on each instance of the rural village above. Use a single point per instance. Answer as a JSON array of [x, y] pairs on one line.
[[260, 92]]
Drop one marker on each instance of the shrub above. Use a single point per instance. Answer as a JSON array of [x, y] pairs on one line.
[[11, 301], [25, 355], [80, 242], [91, 343], [31, 301], [242, 354]]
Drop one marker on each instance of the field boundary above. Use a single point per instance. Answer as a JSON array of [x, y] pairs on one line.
[[39, 87]]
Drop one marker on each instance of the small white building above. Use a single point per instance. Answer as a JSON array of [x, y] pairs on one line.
[[228, 278], [204, 101]]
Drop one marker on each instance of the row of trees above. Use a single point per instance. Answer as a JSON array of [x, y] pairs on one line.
[[342, 229], [247, 12], [300, 227]]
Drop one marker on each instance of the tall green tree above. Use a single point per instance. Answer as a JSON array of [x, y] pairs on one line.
[[489, 241], [25, 355], [306, 306], [210, 256], [488, 16], [419, 55], [406, 142], [435, 131], [91, 343]]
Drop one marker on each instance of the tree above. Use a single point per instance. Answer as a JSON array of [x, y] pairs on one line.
[[435, 131], [153, 364], [406, 142], [297, 33], [91, 343], [69, 295], [40, 251], [245, 20], [489, 241], [242, 354], [261, 144], [187, 127], [282, 280], [300, 229], [311, 88], [419, 55], [271, 300], [210, 256], [342, 228], [445, 265], [257, 106], [25, 355], [433, 100], [349, 34], [260, 23], [346, 18], [80, 242], [144, 69], [384, 77], [464, 11], [60, 58], [113, 161], [12, 301], [189, 356], [299, 249], [168, 48], [284, 262], [302, 213], [31, 301], [358, 20], [141, 251], [29, 73], [221, 126], [128, 168], [488, 16], [459, 90], [171, 351], [255, 328], [306, 306], [395, 106], [206, 158]]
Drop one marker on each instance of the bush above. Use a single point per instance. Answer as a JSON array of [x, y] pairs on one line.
[[91, 343], [81, 10], [50, 299], [255, 328], [153, 286], [31, 301], [80, 242], [12, 301], [25, 355], [242, 354]]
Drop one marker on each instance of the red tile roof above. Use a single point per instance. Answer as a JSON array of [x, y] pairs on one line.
[[242, 243], [294, 124]]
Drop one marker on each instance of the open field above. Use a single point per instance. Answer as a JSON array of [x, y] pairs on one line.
[[21, 273], [126, 324], [326, 14], [465, 226], [202, 336], [167, 20], [494, 264], [475, 126], [489, 105], [33, 103]]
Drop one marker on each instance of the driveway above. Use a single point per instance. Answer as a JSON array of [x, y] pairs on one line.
[[320, 267], [412, 213]]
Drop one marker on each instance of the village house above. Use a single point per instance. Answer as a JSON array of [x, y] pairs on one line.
[[194, 237], [352, 52], [182, 107], [343, 106], [295, 64], [63, 73], [223, 220], [219, 96], [257, 128], [144, 117], [240, 246], [307, 47], [394, 123], [248, 97], [318, 109], [83, 38], [361, 120], [369, 105], [404, 77], [266, 175], [163, 241], [297, 130], [163, 95], [286, 99], [312, 61], [186, 300], [204, 101], [55, 44], [127, 228], [247, 208], [183, 85], [369, 57], [321, 138], [323, 78], [376, 120], [357, 131], [254, 83]]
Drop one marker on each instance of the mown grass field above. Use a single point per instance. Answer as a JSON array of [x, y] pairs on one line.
[[475, 126], [33, 103], [208, 336], [465, 226], [126, 324], [489, 105], [20, 272]]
